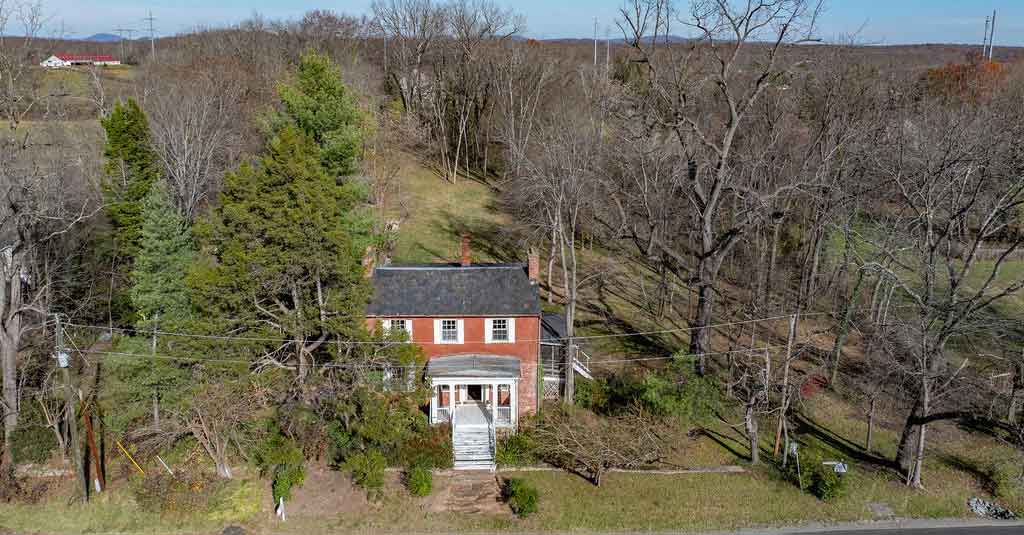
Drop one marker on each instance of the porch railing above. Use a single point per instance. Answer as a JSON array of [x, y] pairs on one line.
[[444, 414], [504, 415]]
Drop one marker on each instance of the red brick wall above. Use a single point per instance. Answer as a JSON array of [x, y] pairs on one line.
[[526, 347]]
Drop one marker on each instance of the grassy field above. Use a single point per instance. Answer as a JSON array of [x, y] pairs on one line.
[[435, 213]]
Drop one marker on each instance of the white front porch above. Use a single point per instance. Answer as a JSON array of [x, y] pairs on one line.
[[474, 402]]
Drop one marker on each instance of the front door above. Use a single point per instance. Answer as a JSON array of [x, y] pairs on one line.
[[475, 392]]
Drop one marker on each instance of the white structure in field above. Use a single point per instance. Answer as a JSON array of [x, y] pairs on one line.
[[57, 61]]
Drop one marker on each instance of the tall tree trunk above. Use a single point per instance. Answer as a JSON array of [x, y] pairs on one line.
[[9, 356], [10, 340], [904, 453], [750, 422], [700, 337]]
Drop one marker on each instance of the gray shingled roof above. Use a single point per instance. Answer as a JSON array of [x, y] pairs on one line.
[[473, 366], [552, 327], [453, 290]]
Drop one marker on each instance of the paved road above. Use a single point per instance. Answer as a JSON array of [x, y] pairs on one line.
[[898, 527], [1015, 528]]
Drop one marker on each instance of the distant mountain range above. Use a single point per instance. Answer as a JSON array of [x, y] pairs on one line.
[[102, 38]]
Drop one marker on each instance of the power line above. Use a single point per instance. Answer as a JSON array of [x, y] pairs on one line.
[[336, 365], [372, 342]]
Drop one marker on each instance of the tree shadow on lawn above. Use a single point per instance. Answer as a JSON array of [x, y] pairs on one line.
[[502, 243], [971, 467], [805, 425], [727, 443]]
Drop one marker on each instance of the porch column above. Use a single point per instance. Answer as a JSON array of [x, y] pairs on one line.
[[494, 403], [513, 392], [433, 402]]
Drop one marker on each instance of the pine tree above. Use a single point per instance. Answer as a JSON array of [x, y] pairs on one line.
[[131, 168], [286, 248], [159, 293], [319, 104]]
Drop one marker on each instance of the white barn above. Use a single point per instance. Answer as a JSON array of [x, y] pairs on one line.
[[57, 61]]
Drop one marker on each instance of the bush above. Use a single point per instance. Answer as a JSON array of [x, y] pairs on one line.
[[516, 450], [281, 458], [826, 484], [521, 497], [819, 479], [419, 480], [368, 470], [33, 441], [20, 489], [429, 448], [183, 493], [675, 392]]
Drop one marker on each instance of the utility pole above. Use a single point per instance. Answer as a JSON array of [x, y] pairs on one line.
[[71, 408], [984, 41], [120, 34], [152, 36], [992, 36], [595, 43], [607, 52]]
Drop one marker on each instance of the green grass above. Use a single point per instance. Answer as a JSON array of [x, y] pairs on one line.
[[438, 212]]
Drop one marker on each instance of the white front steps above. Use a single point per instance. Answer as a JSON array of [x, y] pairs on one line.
[[472, 448]]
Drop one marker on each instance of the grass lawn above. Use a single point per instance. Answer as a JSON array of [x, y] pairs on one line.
[[437, 212]]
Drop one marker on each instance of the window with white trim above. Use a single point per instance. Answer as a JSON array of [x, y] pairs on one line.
[[448, 331], [390, 326], [500, 330]]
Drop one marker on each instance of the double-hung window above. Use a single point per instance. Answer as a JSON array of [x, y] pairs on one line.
[[448, 331], [500, 330], [393, 327]]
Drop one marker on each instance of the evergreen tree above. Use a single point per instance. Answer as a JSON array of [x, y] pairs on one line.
[[159, 293], [319, 104], [285, 255], [131, 168], [161, 301]]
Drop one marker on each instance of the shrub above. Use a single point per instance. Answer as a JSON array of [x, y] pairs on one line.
[[281, 458], [33, 442], [419, 480], [20, 489], [184, 492], [819, 479], [826, 484], [368, 470], [429, 448], [521, 497], [675, 392], [516, 450], [591, 394]]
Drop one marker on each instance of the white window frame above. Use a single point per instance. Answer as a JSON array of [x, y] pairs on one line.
[[489, 331], [459, 328], [408, 326]]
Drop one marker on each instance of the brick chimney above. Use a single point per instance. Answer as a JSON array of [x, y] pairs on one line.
[[466, 257], [369, 261], [533, 265]]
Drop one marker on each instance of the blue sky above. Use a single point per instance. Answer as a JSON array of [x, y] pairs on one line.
[[879, 21]]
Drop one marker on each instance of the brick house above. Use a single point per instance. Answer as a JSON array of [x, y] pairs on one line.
[[480, 328]]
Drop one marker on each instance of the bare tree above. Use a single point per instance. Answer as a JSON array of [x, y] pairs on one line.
[[18, 56], [955, 181], [412, 28], [194, 134], [705, 96], [580, 441]]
